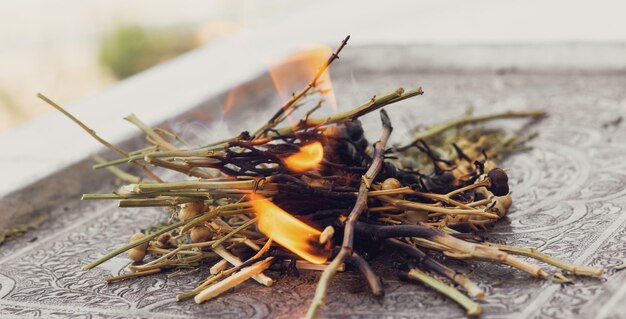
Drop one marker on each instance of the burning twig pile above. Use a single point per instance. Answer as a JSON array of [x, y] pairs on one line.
[[423, 198]]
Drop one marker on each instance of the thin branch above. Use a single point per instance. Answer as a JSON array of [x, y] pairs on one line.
[[438, 129], [133, 275], [232, 281], [233, 232], [359, 207], [235, 261], [439, 268], [95, 136], [370, 106], [533, 253], [451, 246], [472, 308], [406, 204], [159, 141], [273, 120], [117, 171], [144, 239], [373, 280]]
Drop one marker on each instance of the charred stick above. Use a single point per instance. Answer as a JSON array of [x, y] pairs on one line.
[[454, 247], [373, 280], [424, 148], [328, 213], [380, 232], [433, 265], [359, 207], [253, 150], [373, 104], [334, 165], [460, 154], [251, 166], [315, 191], [288, 178]]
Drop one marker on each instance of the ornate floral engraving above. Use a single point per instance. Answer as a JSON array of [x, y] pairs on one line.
[[569, 194]]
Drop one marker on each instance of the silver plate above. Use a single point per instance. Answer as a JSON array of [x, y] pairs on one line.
[[569, 199]]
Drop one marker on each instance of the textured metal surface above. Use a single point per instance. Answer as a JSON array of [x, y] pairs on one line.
[[569, 201]]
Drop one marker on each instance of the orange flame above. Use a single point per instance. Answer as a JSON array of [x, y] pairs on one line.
[[308, 157], [289, 231], [229, 103], [297, 70]]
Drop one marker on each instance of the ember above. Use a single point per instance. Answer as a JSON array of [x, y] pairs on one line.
[[253, 200]]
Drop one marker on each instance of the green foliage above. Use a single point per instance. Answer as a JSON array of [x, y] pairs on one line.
[[130, 49]]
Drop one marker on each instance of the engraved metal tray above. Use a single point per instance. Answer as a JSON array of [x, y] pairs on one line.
[[569, 201]]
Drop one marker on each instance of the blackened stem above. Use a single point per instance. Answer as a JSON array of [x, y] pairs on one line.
[[433, 265], [450, 246], [359, 207], [379, 232], [373, 280]]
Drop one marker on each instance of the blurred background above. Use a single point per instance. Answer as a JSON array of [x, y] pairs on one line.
[[75, 48]]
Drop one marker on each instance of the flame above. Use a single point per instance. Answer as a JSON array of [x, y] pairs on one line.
[[232, 99], [289, 231], [297, 70], [308, 157]]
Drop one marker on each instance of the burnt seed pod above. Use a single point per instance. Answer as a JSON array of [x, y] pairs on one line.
[[499, 182], [439, 183], [347, 144]]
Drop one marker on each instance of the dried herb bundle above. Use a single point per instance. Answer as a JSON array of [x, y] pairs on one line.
[[343, 196]]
